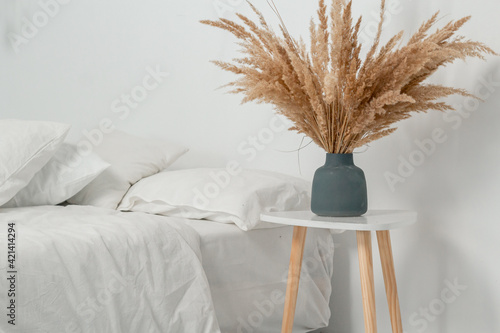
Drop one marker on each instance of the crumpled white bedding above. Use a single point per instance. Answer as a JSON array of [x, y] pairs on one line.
[[247, 272], [91, 270]]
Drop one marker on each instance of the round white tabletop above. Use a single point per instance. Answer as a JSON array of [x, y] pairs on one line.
[[373, 220]]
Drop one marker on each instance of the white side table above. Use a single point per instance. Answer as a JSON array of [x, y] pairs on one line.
[[379, 221]]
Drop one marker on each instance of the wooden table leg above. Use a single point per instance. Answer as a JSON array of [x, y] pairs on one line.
[[367, 283], [292, 285], [385, 249]]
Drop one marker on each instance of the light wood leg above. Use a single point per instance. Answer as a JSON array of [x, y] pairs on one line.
[[292, 286], [385, 249], [367, 282]]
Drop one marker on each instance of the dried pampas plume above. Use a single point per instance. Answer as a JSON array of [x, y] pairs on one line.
[[333, 96]]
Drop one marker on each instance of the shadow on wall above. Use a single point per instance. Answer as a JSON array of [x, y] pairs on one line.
[[340, 301], [447, 291], [453, 243]]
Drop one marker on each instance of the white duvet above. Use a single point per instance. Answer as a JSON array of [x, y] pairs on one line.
[[91, 270]]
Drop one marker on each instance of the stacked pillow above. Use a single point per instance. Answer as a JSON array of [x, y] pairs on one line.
[[63, 176], [36, 168]]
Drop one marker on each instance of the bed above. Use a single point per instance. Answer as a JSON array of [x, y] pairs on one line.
[[88, 269], [110, 240]]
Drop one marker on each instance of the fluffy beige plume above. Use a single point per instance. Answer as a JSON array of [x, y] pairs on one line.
[[333, 96]]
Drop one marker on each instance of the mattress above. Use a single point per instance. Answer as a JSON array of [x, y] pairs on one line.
[[247, 273]]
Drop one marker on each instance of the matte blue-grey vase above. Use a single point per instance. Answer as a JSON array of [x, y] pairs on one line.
[[339, 188]]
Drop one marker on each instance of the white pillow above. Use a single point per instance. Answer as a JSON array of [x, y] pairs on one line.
[[131, 159], [61, 178], [229, 195], [25, 147]]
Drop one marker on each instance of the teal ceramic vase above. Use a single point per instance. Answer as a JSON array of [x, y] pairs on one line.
[[339, 188]]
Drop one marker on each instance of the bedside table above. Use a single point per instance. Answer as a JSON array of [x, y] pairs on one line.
[[380, 221]]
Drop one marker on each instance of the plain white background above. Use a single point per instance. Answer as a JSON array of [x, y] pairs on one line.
[[81, 62]]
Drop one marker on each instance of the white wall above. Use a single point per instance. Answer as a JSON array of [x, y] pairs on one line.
[[77, 66]]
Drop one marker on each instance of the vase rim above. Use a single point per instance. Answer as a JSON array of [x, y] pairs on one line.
[[339, 154], [339, 159]]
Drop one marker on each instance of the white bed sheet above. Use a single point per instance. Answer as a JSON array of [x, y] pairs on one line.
[[83, 269], [86, 269], [247, 273]]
